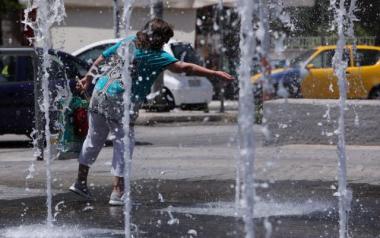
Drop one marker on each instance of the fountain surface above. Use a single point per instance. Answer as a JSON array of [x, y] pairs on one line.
[[301, 209]]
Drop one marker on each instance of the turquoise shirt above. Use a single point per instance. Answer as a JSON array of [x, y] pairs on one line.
[[147, 66]]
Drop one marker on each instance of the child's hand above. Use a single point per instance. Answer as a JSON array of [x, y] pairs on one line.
[[224, 75], [83, 84]]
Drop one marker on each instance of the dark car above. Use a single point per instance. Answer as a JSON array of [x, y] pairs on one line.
[[18, 74]]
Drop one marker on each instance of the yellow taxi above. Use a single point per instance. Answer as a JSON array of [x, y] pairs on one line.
[[310, 75]]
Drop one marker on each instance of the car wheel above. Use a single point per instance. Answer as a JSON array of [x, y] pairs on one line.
[[168, 99], [204, 108], [199, 106], [163, 102], [375, 93]]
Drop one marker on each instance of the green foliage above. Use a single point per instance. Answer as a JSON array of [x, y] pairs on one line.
[[368, 14], [9, 5], [316, 20], [311, 21]]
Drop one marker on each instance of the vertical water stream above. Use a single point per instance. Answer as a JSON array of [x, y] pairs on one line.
[[246, 118], [340, 65], [126, 120], [49, 12]]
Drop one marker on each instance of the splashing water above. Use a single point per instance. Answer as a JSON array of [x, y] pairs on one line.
[[40, 230], [247, 46], [327, 113], [356, 120], [49, 13], [268, 228], [263, 209], [264, 37], [126, 120], [340, 66], [172, 220], [279, 14], [30, 175], [351, 18], [160, 197], [58, 208], [192, 233], [31, 170]]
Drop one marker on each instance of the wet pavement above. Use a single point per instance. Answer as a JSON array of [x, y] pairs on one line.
[[183, 186], [185, 208]]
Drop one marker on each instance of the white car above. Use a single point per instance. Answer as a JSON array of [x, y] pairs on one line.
[[179, 90]]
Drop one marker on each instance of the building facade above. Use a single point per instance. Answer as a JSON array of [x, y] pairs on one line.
[[85, 25]]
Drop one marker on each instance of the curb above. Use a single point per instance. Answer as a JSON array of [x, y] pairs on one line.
[[149, 119]]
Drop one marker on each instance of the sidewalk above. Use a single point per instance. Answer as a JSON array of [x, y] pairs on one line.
[[303, 121], [315, 121], [179, 116]]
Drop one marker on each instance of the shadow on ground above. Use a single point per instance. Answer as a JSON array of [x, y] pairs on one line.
[[11, 144], [14, 144]]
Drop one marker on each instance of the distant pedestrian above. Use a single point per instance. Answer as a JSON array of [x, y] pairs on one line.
[[6, 69], [106, 105]]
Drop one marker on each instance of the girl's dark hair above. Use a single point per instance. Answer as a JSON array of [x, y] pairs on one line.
[[155, 34]]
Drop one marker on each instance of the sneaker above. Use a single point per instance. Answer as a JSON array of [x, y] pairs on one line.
[[116, 199], [81, 190]]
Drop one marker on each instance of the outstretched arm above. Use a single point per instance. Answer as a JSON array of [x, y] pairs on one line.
[[193, 69], [84, 83]]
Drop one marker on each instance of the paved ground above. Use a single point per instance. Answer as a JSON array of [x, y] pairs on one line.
[[182, 208], [184, 186], [315, 121]]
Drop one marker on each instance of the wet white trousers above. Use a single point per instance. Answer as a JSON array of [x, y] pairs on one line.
[[99, 128]]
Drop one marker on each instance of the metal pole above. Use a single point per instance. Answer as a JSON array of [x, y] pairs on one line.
[[116, 18]]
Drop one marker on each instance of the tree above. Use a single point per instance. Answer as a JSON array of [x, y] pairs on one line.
[[311, 21], [316, 20], [7, 9], [368, 15]]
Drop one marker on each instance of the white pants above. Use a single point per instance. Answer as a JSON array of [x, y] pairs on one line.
[[98, 130]]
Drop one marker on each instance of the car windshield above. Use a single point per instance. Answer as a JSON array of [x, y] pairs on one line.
[[186, 53], [300, 59]]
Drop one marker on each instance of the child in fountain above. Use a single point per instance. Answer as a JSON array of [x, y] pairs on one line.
[[149, 60]]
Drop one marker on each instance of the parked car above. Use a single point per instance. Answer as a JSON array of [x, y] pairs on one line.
[[311, 75], [179, 90], [18, 74]]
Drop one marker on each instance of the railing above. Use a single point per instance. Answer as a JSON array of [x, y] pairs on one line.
[[311, 42]]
